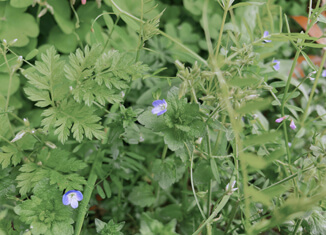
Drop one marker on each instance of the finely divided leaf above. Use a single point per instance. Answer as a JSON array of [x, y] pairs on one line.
[[74, 117]]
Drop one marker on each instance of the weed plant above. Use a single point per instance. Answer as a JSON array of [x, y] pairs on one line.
[[162, 117]]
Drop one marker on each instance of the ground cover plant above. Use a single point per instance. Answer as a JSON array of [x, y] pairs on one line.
[[162, 117]]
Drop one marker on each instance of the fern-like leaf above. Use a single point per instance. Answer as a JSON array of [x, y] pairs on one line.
[[10, 154], [114, 69], [59, 167], [99, 77], [75, 117], [48, 77], [81, 63]]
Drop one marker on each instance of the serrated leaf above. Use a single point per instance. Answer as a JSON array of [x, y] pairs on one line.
[[42, 98], [164, 172], [10, 155], [35, 211], [77, 118], [58, 163], [48, 77], [149, 226], [142, 195], [110, 228]]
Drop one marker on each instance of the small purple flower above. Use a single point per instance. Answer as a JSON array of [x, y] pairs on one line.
[[292, 125], [229, 190], [324, 73], [266, 35], [276, 65], [72, 197], [279, 120], [160, 107]]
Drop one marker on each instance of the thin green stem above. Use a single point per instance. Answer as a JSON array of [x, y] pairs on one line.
[[206, 30], [192, 182], [165, 149], [231, 217], [11, 73], [76, 15], [218, 208], [311, 166], [285, 133], [140, 38], [87, 193], [209, 198], [219, 41], [313, 89], [236, 126]]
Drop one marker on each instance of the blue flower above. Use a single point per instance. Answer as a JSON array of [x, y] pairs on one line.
[[276, 65], [266, 35], [160, 107], [72, 197], [324, 73]]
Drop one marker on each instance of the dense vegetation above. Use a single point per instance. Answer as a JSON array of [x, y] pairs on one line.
[[162, 117]]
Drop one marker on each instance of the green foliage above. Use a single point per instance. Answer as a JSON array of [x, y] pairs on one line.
[[109, 228], [18, 24], [151, 226], [44, 212], [181, 122], [71, 116], [64, 115], [99, 76], [53, 165], [75, 114], [142, 195], [10, 154]]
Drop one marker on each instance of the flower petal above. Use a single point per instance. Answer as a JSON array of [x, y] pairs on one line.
[[233, 184], [65, 200], [156, 110], [74, 203], [79, 195], [292, 125], [324, 73], [158, 102], [280, 119], [277, 65], [266, 33], [160, 113]]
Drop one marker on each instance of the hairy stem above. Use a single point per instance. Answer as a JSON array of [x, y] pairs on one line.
[[88, 193]]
